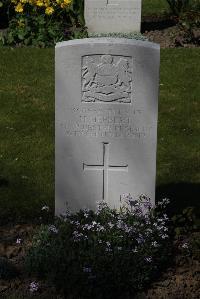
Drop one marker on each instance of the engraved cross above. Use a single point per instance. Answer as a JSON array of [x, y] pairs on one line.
[[108, 3], [105, 168]]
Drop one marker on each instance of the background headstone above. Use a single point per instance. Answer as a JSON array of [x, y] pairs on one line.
[[104, 16], [106, 121]]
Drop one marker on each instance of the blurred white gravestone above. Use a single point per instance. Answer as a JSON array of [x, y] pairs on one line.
[[106, 121], [104, 16]]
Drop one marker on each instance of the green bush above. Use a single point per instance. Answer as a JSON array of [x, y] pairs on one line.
[[103, 254], [178, 7], [44, 22]]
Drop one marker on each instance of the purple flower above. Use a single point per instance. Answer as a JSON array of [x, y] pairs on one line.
[[101, 205], [33, 287], [140, 239]]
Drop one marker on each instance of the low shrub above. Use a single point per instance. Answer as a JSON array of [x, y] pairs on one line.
[[178, 6], [190, 24], [44, 22], [187, 14], [103, 254]]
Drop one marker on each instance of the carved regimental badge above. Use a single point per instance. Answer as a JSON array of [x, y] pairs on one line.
[[107, 78]]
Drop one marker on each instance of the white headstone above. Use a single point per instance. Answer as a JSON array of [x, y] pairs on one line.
[[104, 16], [106, 121]]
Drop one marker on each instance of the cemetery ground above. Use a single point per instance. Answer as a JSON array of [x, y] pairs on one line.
[[27, 154]]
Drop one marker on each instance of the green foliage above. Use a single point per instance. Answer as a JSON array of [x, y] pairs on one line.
[[34, 27], [195, 245], [178, 6], [154, 7], [190, 23], [34, 31], [103, 254], [7, 269]]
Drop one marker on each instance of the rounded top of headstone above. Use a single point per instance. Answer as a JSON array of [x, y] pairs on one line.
[[109, 40]]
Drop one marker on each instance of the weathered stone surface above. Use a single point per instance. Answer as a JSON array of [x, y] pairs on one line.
[[106, 121], [103, 16]]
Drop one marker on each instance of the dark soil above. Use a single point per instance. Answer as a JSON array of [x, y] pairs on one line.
[[166, 31], [182, 281]]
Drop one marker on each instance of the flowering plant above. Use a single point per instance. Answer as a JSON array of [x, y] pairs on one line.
[[109, 252], [44, 22]]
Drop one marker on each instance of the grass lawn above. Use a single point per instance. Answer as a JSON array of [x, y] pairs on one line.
[[27, 128], [154, 7]]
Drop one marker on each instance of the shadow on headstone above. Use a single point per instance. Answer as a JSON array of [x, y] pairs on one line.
[[181, 195]]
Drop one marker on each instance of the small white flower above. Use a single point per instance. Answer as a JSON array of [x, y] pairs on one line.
[[53, 229], [33, 287], [185, 245], [87, 269], [135, 250], [78, 236], [108, 249], [77, 223], [110, 224], [100, 228], [164, 236], [155, 244], [18, 241], [86, 212], [148, 259], [108, 244], [45, 208], [164, 202]]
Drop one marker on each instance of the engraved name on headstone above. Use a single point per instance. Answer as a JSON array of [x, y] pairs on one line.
[[106, 121], [104, 16]]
